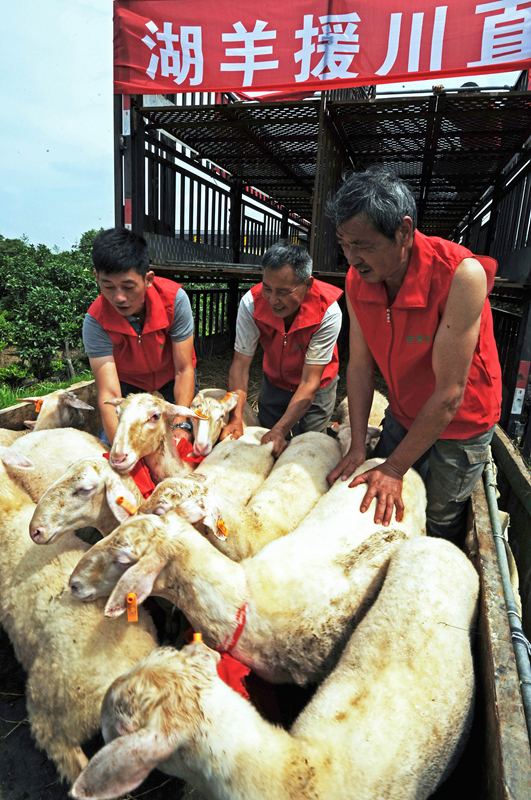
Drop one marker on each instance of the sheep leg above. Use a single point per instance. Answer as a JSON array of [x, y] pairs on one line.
[[69, 759]]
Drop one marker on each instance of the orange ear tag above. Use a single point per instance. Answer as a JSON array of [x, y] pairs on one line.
[[197, 637], [222, 528], [132, 609], [227, 397], [126, 505], [200, 414], [38, 405]]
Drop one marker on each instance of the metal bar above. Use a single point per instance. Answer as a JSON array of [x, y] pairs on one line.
[[520, 648]]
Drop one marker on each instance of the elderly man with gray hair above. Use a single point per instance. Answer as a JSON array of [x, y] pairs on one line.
[[297, 320], [419, 309]]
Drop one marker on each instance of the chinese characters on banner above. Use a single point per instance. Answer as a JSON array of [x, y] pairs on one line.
[[167, 46]]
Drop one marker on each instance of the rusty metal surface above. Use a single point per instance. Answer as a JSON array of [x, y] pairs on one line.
[[507, 755]]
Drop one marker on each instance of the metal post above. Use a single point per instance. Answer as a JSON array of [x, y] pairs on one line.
[[235, 222]]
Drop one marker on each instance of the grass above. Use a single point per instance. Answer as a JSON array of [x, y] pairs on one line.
[[9, 395]]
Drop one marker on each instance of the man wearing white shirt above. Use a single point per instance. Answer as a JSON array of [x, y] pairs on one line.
[[297, 320]]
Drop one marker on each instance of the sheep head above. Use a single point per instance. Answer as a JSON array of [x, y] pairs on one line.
[[144, 426], [59, 409], [137, 547], [189, 497], [150, 711], [210, 416], [76, 499]]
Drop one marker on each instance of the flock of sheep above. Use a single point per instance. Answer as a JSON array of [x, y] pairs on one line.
[[269, 565]]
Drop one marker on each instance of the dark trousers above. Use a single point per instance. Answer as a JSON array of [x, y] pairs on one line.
[[273, 402], [450, 469]]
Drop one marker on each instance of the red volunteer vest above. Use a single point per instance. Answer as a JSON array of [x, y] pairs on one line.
[[284, 351], [400, 338], [145, 361]]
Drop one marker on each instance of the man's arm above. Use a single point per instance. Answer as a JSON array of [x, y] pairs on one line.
[[297, 407], [238, 382], [108, 386], [360, 391], [453, 350], [184, 387]]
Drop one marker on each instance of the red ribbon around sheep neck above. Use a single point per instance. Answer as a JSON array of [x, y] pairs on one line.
[[141, 476], [184, 449]]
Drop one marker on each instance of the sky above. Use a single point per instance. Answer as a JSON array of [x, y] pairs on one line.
[[56, 140]]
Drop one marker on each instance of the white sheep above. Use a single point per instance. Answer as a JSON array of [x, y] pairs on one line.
[[7, 436], [85, 495], [292, 488], [212, 407], [145, 430], [52, 452], [59, 409], [288, 611], [70, 652], [390, 721], [87, 492]]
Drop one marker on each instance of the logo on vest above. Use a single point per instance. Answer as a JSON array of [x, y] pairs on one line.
[[296, 346], [161, 346], [418, 339]]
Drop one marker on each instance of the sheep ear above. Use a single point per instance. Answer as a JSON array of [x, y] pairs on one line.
[[113, 772], [229, 401], [139, 579], [73, 401], [114, 402], [14, 459], [30, 423], [192, 511], [172, 410], [199, 650], [206, 512], [114, 488], [29, 399]]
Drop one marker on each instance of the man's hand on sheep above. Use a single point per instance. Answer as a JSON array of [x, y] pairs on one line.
[[231, 431], [385, 484], [279, 441], [348, 464]]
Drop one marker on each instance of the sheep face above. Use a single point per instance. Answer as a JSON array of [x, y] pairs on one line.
[[76, 498], [211, 416], [189, 497], [152, 710], [171, 492], [100, 569], [144, 426], [59, 409]]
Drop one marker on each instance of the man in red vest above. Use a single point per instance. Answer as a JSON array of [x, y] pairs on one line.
[[138, 333], [418, 309], [297, 320]]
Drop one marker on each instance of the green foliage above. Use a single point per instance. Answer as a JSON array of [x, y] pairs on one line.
[[44, 300], [13, 374]]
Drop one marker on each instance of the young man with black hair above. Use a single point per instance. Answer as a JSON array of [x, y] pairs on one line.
[[138, 333], [297, 320]]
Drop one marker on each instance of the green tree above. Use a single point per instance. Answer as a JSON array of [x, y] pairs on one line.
[[44, 300]]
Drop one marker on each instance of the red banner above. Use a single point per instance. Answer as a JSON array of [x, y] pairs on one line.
[[168, 46]]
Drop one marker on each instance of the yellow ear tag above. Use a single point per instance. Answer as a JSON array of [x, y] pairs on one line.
[[126, 505], [197, 637], [199, 413], [222, 528], [132, 609], [38, 405]]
